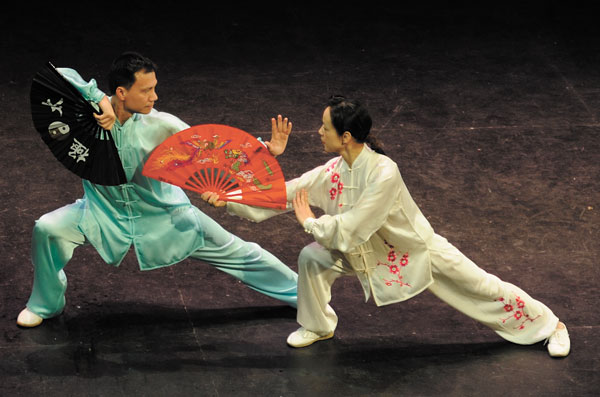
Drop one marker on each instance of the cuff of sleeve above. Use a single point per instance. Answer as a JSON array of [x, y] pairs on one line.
[[96, 94], [309, 224], [230, 208]]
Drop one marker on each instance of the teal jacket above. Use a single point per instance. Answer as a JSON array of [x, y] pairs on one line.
[[155, 217]]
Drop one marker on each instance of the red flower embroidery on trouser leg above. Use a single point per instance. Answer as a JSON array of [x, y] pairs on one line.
[[518, 315]]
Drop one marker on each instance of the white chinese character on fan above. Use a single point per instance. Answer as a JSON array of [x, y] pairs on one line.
[[78, 151], [56, 106]]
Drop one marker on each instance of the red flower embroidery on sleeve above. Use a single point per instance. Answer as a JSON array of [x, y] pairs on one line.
[[518, 315]]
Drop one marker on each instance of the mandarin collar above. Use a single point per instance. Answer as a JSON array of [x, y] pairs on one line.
[[359, 161], [134, 118]]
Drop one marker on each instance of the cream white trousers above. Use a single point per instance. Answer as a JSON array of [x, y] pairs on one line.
[[502, 306]]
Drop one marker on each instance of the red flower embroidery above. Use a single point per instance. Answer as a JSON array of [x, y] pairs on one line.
[[404, 260], [394, 269], [338, 186], [518, 315], [331, 167], [333, 193]]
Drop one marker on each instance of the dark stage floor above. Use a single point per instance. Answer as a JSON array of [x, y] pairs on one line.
[[492, 115]]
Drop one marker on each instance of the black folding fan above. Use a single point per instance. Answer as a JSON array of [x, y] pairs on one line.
[[65, 121]]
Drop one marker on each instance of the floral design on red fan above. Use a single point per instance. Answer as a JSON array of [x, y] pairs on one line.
[[173, 159], [221, 159]]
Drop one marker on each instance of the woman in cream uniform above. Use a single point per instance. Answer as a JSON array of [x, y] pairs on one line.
[[372, 228]]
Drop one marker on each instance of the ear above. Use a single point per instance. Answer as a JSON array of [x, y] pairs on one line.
[[346, 137], [121, 92]]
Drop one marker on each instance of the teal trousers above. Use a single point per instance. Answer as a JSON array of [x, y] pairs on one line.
[[56, 235]]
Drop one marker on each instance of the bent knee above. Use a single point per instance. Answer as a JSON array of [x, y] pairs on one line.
[[305, 256], [45, 226], [312, 256], [49, 226]]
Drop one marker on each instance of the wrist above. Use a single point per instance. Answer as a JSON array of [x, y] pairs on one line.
[[308, 224]]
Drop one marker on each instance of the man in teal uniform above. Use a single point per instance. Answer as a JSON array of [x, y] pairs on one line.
[[157, 218]]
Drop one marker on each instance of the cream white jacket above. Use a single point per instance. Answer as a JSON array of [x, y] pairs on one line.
[[370, 218]]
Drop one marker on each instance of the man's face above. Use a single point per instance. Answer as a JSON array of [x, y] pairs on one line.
[[140, 97]]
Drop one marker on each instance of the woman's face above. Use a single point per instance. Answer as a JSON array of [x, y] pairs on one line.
[[332, 142]]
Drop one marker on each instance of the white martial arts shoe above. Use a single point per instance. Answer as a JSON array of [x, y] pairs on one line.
[[303, 337], [559, 344], [28, 319]]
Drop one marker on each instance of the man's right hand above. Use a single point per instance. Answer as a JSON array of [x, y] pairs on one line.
[[212, 198], [108, 117]]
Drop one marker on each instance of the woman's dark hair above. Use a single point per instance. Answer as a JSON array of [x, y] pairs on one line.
[[125, 66], [350, 115]]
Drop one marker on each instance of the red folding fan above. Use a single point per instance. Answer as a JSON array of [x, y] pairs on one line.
[[222, 159]]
